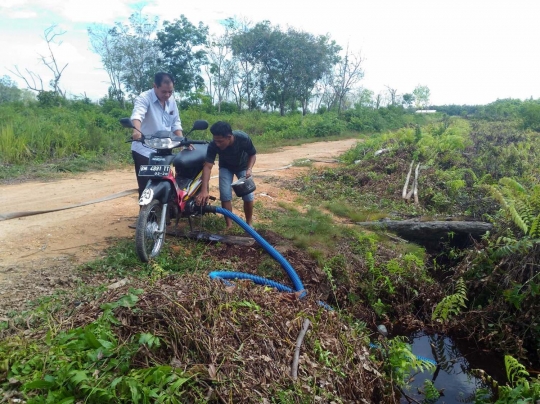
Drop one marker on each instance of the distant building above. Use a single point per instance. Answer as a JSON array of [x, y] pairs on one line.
[[426, 111]]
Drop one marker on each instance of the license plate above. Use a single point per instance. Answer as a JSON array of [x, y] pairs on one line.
[[154, 171]]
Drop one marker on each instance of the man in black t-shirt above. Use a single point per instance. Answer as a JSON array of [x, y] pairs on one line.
[[237, 156]]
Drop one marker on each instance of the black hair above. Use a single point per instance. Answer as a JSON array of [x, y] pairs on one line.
[[160, 76], [221, 128]]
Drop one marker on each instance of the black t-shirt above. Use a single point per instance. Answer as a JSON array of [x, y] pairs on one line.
[[235, 156]]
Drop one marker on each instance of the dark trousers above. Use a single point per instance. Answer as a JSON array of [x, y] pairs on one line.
[[139, 161]]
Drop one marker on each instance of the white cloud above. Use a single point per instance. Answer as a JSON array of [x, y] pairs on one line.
[[22, 14], [99, 11]]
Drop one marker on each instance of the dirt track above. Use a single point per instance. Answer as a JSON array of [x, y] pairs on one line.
[[37, 252]]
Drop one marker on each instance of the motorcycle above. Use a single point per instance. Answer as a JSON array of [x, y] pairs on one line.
[[170, 192]]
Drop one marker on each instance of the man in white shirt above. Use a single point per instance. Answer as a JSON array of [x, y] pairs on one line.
[[153, 110]]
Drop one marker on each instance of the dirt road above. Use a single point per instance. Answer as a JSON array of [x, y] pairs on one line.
[[37, 252]]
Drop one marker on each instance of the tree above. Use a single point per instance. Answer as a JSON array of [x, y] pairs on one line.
[[181, 45], [34, 81], [408, 99], [137, 51], [128, 52], [105, 42], [421, 96], [364, 98], [348, 73], [317, 62], [392, 95], [244, 80], [218, 80], [289, 63], [9, 92]]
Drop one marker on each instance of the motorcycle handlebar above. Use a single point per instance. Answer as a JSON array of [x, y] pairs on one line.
[[196, 141]]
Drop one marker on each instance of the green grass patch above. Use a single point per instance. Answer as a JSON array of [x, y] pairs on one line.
[[343, 209]]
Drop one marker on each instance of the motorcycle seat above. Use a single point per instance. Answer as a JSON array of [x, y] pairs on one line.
[[187, 159]]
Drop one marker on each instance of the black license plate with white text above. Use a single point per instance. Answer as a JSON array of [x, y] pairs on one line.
[[154, 171]]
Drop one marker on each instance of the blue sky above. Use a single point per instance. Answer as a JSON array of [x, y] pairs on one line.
[[465, 51]]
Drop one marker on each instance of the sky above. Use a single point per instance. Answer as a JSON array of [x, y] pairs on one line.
[[465, 51]]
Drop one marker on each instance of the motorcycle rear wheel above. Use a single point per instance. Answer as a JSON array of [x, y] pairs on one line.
[[148, 239]]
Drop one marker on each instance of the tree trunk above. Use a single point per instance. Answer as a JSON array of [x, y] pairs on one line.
[[432, 232]]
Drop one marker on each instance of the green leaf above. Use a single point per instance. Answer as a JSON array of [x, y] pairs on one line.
[[116, 381], [67, 400], [37, 385], [91, 338], [78, 376], [178, 383], [107, 344], [134, 388]]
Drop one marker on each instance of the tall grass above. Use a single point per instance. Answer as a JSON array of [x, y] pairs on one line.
[[12, 148], [34, 133], [38, 135]]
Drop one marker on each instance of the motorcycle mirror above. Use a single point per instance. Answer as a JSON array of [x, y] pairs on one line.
[[126, 123], [200, 125]]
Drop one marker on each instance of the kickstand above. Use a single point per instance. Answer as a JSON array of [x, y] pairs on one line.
[[190, 224]]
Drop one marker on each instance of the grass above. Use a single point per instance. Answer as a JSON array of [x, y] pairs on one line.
[[343, 209]]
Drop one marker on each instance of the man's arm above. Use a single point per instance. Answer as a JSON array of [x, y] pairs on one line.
[[136, 135], [250, 164], [204, 195], [140, 108]]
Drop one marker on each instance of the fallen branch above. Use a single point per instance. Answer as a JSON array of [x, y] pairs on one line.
[[294, 366], [432, 231], [404, 193], [415, 186]]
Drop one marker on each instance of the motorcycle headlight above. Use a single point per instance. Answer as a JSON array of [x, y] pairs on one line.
[[162, 143]]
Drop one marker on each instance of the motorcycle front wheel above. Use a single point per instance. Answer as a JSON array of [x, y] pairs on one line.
[[148, 238]]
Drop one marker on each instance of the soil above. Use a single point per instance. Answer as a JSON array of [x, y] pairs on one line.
[[39, 253]]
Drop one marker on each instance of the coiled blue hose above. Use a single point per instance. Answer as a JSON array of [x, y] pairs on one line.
[[295, 279], [259, 280]]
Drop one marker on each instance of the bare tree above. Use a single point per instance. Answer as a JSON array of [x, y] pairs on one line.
[[104, 42], [378, 101], [219, 53], [392, 95], [349, 73], [33, 79]]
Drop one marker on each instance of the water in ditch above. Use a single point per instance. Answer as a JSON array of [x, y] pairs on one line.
[[452, 377]]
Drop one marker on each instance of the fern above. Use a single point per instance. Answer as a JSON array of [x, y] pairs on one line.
[[522, 389], [507, 246], [498, 196], [512, 185], [451, 305], [430, 392], [522, 205], [514, 369], [518, 219], [535, 198], [534, 230]]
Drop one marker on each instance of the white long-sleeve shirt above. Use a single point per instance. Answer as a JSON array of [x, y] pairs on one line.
[[154, 117]]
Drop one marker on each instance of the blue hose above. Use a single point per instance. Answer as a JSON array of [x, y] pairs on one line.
[[298, 285], [259, 280]]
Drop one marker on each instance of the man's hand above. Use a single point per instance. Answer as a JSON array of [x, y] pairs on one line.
[[202, 198], [249, 172]]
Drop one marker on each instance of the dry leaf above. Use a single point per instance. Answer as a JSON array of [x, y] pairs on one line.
[[212, 372]]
